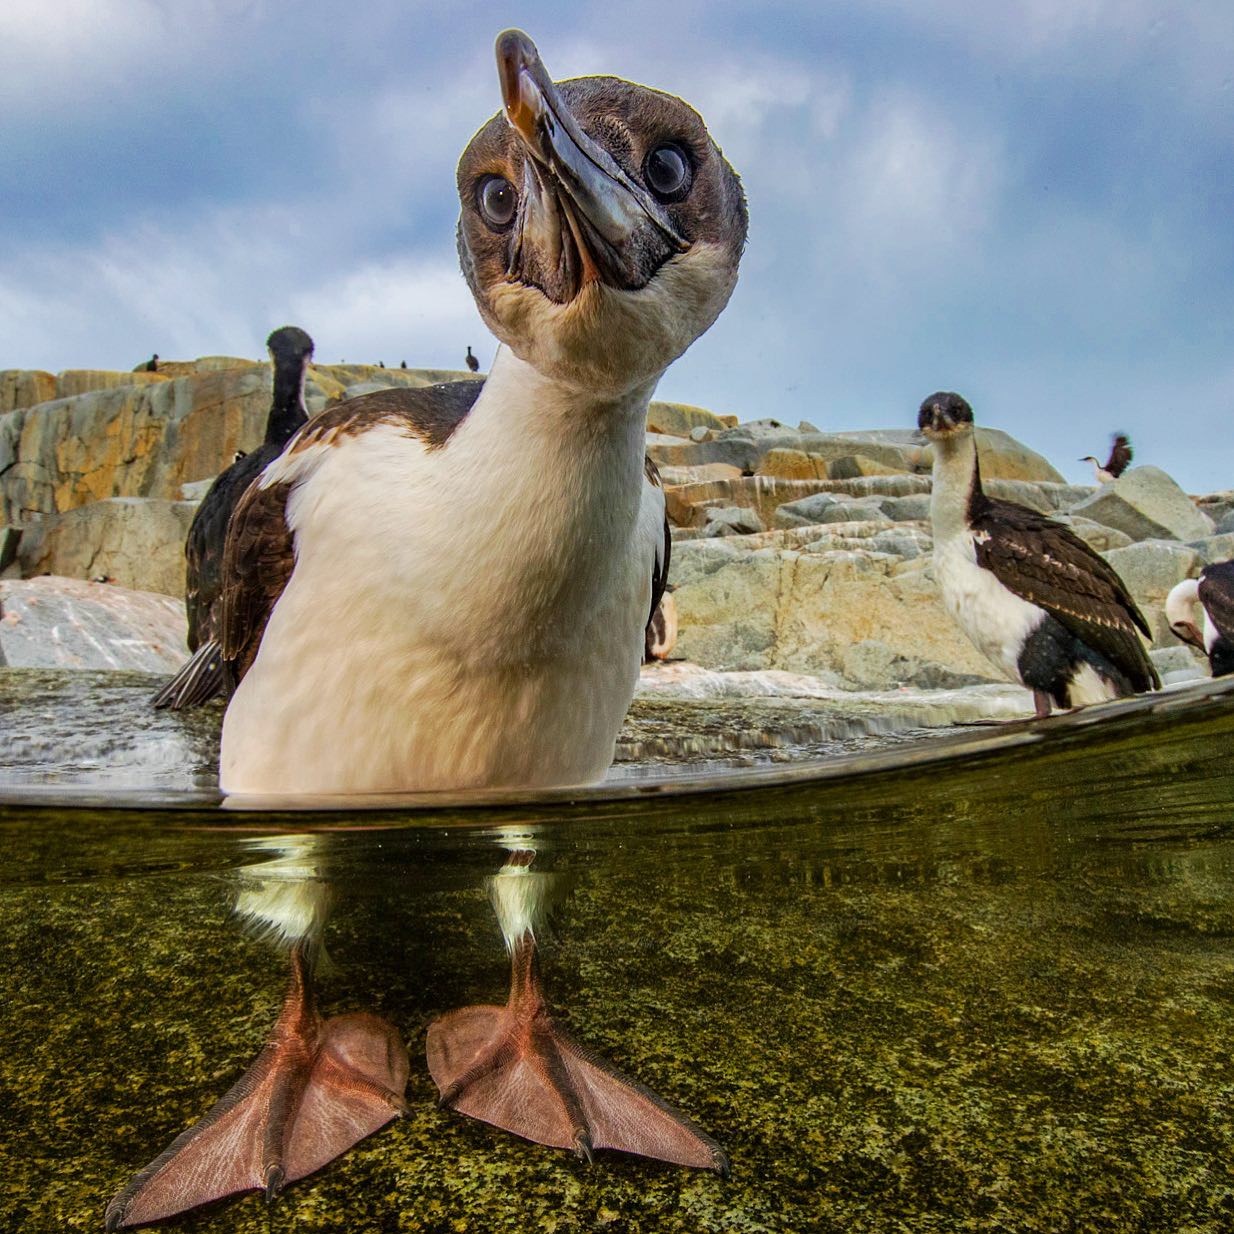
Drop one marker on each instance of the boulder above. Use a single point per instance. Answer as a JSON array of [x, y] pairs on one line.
[[914, 509], [1096, 535], [799, 611], [1022, 492], [792, 465], [66, 623], [795, 513], [129, 441], [135, 542], [1215, 548], [195, 490], [84, 381], [1225, 524], [732, 521], [850, 466], [25, 388], [703, 474], [679, 419], [1150, 568], [1179, 663], [805, 510], [149, 433], [1146, 504]]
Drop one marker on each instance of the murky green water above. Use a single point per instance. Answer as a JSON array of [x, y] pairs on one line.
[[984, 985]]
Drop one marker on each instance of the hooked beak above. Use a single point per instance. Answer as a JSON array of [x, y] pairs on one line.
[[933, 418], [583, 219], [1188, 633]]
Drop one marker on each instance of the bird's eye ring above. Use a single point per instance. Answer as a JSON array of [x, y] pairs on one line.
[[668, 172], [497, 202]]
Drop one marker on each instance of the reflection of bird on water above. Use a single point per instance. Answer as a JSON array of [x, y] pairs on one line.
[[317, 1087], [472, 363], [1033, 597], [201, 678], [517, 1068], [600, 233], [1213, 591], [1116, 464]]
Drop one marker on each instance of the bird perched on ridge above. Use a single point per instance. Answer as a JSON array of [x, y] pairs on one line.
[[472, 363], [600, 234], [1116, 464], [1213, 591], [201, 678], [1032, 596]]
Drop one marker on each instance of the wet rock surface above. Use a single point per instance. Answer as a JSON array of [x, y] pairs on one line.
[[60, 623]]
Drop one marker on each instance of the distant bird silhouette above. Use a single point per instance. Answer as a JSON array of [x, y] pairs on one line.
[[201, 678], [150, 366], [472, 362], [402, 364], [1116, 464], [381, 364]]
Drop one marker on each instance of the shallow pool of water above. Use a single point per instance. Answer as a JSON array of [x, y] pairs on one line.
[[978, 982]]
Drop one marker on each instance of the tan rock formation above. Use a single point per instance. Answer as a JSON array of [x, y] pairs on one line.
[[677, 419], [21, 387], [134, 542], [84, 381]]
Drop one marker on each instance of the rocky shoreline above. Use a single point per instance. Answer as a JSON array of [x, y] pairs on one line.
[[795, 551]]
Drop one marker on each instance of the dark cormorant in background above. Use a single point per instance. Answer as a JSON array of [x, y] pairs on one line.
[[472, 362], [1033, 597], [201, 679]]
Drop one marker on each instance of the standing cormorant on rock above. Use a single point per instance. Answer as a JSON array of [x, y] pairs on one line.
[[1213, 591], [600, 233], [472, 363], [1033, 597], [148, 366], [201, 678], [1116, 464]]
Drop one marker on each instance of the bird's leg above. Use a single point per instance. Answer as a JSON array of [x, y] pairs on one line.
[[316, 1088], [517, 1068], [1041, 704]]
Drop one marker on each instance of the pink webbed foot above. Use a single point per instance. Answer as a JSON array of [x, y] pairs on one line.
[[515, 1068], [317, 1088]]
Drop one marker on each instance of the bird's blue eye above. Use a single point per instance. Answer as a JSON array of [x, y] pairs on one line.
[[498, 201], [668, 172]]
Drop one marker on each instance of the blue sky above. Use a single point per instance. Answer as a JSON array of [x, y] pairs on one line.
[[1030, 202]]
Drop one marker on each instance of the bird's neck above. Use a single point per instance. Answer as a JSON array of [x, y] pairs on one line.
[[545, 427], [286, 407], [956, 487]]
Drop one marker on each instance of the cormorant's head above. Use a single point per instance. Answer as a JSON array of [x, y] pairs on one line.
[[945, 415], [1180, 612], [289, 347], [601, 227]]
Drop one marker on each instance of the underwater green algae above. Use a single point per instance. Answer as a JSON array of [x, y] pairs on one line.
[[996, 996]]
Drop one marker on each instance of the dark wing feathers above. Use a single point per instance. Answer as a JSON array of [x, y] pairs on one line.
[[260, 552], [659, 570], [204, 546], [1120, 455], [1216, 593], [1047, 564]]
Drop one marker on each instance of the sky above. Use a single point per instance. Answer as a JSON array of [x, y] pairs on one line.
[[1031, 203]]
